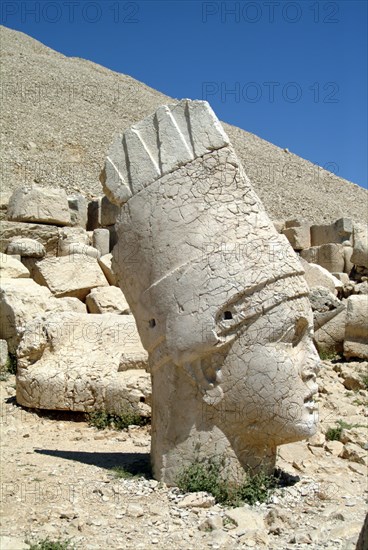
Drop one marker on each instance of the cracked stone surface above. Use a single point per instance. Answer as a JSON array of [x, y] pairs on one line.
[[218, 295]]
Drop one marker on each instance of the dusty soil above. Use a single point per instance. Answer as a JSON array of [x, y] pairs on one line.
[[57, 481]]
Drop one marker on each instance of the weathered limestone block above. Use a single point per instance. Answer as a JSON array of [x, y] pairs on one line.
[[329, 331], [78, 210], [279, 225], [101, 213], [20, 301], [36, 204], [83, 362], [101, 241], [317, 276], [337, 232], [356, 331], [11, 268], [47, 235], [218, 295], [330, 256], [79, 248], [298, 234], [105, 262], [108, 299], [73, 275], [329, 316], [360, 250], [26, 248], [4, 201], [3, 354]]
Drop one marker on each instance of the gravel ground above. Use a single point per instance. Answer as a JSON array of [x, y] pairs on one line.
[[58, 482]]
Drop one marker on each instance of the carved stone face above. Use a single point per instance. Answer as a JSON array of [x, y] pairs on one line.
[[267, 388]]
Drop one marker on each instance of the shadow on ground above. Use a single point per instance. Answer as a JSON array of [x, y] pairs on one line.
[[134, 463]]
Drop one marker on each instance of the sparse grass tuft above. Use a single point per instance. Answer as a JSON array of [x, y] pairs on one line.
[[9, 368], [120, 473], [206, 476], [334, 433], [327, 355], [364, 378], [102, 420], [47, 544]]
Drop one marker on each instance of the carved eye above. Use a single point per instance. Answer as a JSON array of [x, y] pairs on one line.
[[227, 315], [152, 323]]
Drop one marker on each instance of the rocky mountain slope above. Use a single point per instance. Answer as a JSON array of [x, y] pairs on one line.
[[60, 115]]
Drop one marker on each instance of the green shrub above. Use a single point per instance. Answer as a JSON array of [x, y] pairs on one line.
[[327, 355], [364, 378], [120, 473], [47, 544], [334, 434], [206, 476], [9, 368], [102, 419]]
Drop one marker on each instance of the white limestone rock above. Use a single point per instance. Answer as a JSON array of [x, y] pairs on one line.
[[21, 300], [105, 262], [83, 362], [108, 299], [317, 276], [37, 204], [26, 248], [47, 235], [356, 332], [11, 268], [73, 275], [337, 232], [360, 248]]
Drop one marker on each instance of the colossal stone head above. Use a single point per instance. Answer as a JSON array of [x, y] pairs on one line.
[[218, 295]]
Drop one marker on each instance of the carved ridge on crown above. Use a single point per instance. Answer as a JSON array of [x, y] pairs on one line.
[[173, 136]]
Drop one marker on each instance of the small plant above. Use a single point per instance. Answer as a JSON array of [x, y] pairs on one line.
[[47, 544], [206, 476], [326, 355], [364, 378], [121, 473], [334, 434], [9, 368], [102, 420]]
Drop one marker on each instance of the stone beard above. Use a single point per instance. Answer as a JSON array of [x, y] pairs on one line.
[[218, 295]]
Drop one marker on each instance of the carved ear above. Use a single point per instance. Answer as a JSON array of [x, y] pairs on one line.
[[207, 380]]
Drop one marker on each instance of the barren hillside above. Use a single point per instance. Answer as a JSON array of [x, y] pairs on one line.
[[60, 115]]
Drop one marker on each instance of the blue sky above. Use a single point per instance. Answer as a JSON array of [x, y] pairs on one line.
[[294, 73]]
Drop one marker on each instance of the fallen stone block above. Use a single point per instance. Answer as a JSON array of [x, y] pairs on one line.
[[73, 275], [105, 263], [78, 210], [298, 234], [37, 204], [330, 256], [20, 301], [360, 246], [46, 235], [356, 332], [317, 276], [11, 268], [101, 213], [3, 354], [337, 232], [108, 299], [83, 362], [101, 240], [329, 331], [26, 248]]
